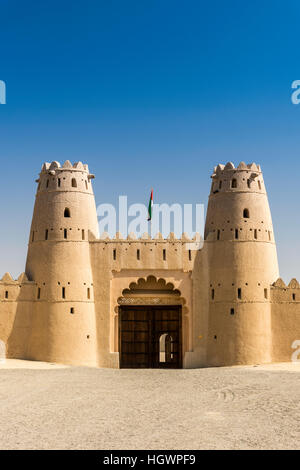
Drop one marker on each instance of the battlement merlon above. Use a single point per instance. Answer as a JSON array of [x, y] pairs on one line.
[[55, 168], [7, 280], [220, 169], [104, 237], [280, 284]]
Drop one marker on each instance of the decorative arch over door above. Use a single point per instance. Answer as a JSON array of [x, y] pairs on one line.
[[151, 291]]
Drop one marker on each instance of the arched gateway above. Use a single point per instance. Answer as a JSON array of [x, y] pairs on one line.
[[150, 319]]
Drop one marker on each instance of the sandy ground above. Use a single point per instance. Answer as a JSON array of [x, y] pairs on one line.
[[44, 406]]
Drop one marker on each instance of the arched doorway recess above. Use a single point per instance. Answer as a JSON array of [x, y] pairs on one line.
[[150, 325]]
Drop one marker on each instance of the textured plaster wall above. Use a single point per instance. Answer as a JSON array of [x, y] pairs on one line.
[[285, 319], [16, 306]]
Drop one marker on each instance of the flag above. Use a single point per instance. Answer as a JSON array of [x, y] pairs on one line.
[[150, 206]]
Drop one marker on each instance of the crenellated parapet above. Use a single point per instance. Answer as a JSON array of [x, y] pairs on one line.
[[10, 289], [54, 177], [65, 206], [241, 178], [281, 292], [229, 167], [51, 168], [147, 237], [145, 252], [238, 207]]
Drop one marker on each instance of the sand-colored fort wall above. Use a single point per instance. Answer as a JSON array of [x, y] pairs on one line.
[[285, 304], [117, 263], [16, 305]]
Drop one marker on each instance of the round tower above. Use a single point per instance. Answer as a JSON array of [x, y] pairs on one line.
[[63, 326], [242, 264]]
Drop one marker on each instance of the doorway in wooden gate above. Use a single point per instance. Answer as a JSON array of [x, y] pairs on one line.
[[150, 337]]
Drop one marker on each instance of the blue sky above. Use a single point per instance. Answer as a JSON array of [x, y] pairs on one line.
[[151, 93]]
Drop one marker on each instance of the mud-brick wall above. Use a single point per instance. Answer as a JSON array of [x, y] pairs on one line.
[[285, 308], [16, 306]]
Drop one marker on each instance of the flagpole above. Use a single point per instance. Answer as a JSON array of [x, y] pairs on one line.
[[150, 222], [150, 212]]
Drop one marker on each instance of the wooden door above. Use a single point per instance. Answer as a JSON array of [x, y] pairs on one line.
[[150, 337], [135, 337], [166, 340]]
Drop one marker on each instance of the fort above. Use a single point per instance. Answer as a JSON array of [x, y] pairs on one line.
[[86, 299]]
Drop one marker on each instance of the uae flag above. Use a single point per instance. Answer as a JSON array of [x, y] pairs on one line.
[[150, 206]]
